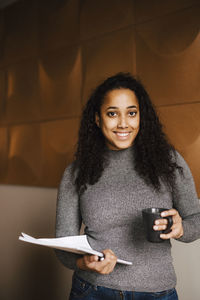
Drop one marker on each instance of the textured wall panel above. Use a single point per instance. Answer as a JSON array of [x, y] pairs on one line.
[[103, 16], [58, 143], [182, 124], [106, 56], [168, 59], [2, 27], [2, 96], [145, 9], [59, 23], [22, 99], [21, 31], [60, 78], [168, 62], [3, 152], [24, 156]]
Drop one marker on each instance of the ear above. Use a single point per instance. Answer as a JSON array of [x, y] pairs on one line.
[[97, 119]]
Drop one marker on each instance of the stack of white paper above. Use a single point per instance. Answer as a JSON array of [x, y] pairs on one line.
[[76, 244]]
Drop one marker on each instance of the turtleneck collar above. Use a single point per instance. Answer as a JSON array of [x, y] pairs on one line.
[[121, 155]]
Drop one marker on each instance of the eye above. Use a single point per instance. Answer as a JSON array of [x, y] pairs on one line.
[[132, 113], [111, 113]]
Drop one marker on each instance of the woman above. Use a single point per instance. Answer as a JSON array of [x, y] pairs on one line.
[[124, 164]]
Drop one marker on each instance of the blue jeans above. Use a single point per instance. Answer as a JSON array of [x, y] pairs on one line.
[[81, 289]]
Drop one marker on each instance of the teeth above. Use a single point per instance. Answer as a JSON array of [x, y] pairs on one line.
[[122, 134]]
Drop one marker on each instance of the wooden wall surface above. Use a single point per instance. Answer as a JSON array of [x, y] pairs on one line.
[[52, 53]]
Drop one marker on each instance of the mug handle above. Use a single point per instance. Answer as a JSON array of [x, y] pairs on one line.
[[169, 225]]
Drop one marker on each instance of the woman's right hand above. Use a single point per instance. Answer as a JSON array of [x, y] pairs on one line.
[[92, 263]]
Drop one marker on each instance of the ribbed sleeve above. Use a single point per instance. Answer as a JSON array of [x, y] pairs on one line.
[[68, 217], [186, 202]]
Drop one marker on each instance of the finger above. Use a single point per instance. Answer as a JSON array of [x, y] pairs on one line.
[[161, 222], [103, 267], [173, 213], [99, 261], [166, 236], [108, 252], [108, 264], [90, 261], [94, 258], [159, 227], [170, 212], [91, 258], [109, 257]]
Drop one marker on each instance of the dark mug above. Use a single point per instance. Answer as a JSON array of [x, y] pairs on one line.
[[149, 217]]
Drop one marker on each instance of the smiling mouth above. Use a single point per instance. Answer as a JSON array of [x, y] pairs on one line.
[[122, 135]]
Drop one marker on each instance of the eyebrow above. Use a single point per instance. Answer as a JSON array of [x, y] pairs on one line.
[[115, 107]]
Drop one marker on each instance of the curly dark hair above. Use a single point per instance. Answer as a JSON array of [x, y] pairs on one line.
[[153, 154]]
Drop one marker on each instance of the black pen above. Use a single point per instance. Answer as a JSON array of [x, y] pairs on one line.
[[101, 258]]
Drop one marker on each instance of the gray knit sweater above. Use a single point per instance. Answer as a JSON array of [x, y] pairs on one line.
[[111, 212]]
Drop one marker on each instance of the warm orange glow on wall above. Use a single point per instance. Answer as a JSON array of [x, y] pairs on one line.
[[57, 53], [11, 83]]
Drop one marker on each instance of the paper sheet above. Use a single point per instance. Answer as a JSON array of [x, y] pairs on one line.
[[76, 244]]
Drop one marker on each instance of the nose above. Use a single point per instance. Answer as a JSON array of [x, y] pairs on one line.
[[122, 122]]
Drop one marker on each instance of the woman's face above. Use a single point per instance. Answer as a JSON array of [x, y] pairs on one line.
[[119, 119]]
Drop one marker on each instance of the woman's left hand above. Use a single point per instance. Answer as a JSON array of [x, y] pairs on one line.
[[177, 227]]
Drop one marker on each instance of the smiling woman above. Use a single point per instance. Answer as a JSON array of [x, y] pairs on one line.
[[124, 164], [119, 119]]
